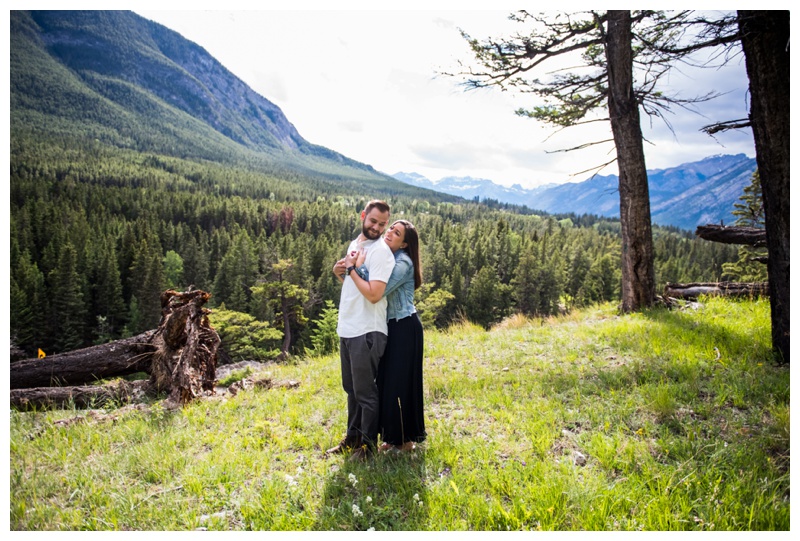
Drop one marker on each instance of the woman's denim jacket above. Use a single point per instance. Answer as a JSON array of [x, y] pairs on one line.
[[399, 291]]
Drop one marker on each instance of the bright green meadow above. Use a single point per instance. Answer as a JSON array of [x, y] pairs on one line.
[[659, 420]]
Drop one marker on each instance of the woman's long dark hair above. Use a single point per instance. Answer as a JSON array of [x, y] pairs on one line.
[[411, 239]]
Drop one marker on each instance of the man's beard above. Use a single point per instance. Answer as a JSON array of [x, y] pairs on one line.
[[370, 233]]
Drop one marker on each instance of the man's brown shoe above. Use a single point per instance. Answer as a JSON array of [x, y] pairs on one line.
[[347, 444]]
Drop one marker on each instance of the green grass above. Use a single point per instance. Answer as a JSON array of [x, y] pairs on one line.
[[662, 420]]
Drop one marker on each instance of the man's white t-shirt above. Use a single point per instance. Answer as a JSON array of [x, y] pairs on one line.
[[357, 315]]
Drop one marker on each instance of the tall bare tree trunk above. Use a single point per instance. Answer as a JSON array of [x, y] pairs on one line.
[[765, 41], [638, 261]]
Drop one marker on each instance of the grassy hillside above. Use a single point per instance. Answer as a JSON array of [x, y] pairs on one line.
[[664, 420]]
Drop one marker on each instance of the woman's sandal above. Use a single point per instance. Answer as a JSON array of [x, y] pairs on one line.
[[391, 448]]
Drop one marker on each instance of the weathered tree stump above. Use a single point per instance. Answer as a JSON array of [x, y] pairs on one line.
[[185, 358], [180, 356]]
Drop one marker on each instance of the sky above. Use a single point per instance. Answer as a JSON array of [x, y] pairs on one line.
[[369, 83]]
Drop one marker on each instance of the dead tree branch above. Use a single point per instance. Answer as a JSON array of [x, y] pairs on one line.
[[751, 236]]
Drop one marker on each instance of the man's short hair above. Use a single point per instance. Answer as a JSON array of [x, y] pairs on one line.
[[382, 206]]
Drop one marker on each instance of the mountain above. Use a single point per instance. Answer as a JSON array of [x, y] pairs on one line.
[[469, 187], [684, 196], [119, 81], [122, 81]]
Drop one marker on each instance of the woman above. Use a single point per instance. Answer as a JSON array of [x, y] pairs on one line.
[[402, 422]]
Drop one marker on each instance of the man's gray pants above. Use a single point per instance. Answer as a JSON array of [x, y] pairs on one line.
[[360, 357]]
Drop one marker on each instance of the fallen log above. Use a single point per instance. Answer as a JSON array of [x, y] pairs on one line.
[[89, 396], [86, 365], [180, 356], [751, 236], [729, 289]]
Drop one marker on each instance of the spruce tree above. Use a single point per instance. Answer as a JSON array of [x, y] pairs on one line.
[[173, 270], [147, 285], [286, 299], [106, 290], [579, 266], [68, 310], [236, 274], [749, 212], [27, 304], [482, 297], [526, 286]]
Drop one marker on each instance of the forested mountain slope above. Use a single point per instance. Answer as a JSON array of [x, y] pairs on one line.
[[139, 163], [116, 78]]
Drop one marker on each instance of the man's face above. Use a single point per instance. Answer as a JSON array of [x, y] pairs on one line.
[[373, 224]]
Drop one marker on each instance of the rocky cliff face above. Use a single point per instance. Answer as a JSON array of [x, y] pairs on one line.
[[121, 46]]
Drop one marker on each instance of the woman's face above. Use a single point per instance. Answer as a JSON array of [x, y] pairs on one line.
[[395, 236]]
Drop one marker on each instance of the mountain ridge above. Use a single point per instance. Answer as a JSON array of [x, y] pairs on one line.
[[118, 79], [685, 196]]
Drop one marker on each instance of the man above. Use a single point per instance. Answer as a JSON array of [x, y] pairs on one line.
[[363, 331]]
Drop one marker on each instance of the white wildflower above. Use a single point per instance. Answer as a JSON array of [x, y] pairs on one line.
[[356, 511], [372, 529], [416, 497], [369, 499], [352, 479], [290, 480]]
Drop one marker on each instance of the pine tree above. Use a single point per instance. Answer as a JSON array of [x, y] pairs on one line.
[[579, 266], [482, 297], [526, 287], [147, 285], [324, 337], [237, 274], [68, 311], [173, 270], [749, 213], [27, 304], [286, 299], [106, 291], [195, 264], [549, 290], [602, 280], [125, 255], [457, 287]]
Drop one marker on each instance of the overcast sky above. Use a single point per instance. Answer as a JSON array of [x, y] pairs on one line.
[[368, 84]]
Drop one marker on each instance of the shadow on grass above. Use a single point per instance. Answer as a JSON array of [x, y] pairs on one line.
[[679, 369], [707, 332], [387, 492], [675, 347]]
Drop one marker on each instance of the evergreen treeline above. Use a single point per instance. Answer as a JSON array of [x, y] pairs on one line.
[[97, 234]]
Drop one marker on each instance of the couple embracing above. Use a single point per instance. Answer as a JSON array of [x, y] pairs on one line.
[[380, 336]]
